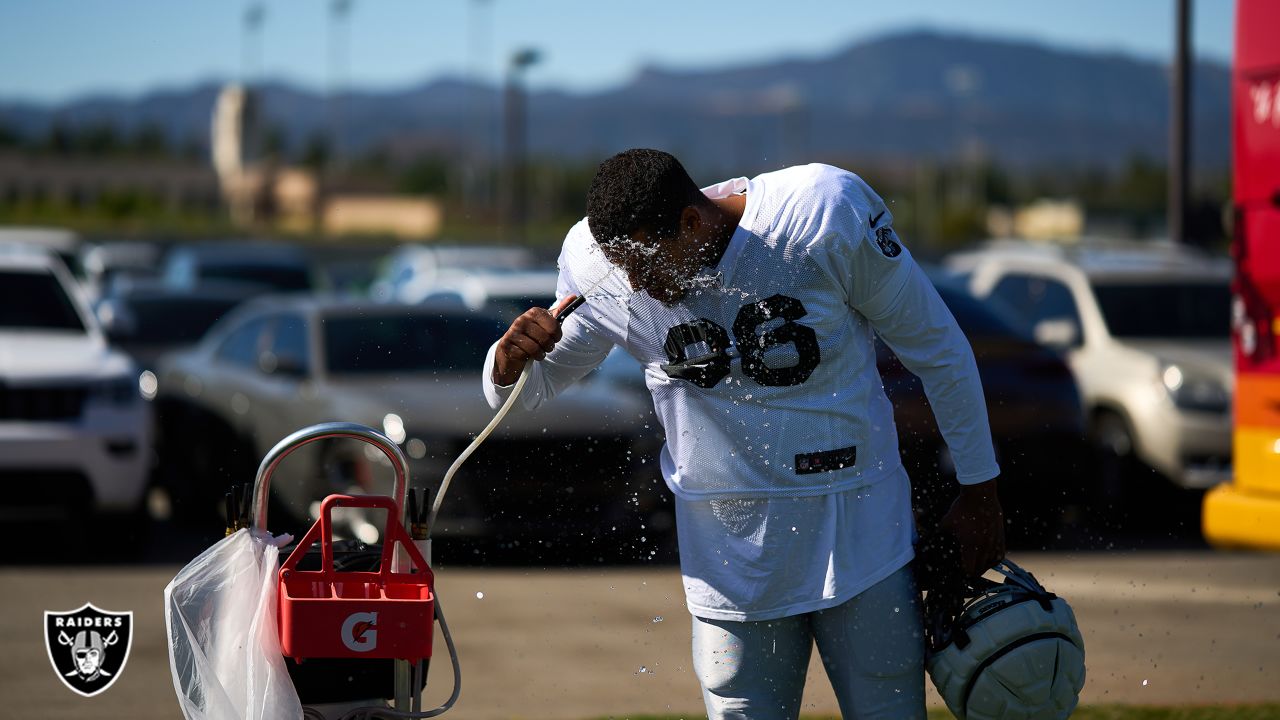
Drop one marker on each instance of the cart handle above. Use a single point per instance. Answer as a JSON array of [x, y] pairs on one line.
[[322, 532], [325, 431]]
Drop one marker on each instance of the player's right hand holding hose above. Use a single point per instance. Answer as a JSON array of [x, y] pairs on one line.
[[530, 337]]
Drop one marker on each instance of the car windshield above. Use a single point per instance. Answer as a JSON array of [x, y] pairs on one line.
[[36, 301], [276, 277], [1166, 310], [388, 343], [175, 320], [979, 319]]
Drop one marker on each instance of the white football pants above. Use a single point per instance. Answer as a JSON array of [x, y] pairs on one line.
[[871, 646]]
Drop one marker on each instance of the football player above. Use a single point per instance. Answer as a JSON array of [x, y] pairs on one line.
[[752, 305]]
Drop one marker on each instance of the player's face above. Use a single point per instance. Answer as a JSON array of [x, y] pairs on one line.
[[660, 266]]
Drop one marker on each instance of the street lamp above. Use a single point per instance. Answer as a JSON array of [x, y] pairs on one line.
[[516, 132], [339, 12]]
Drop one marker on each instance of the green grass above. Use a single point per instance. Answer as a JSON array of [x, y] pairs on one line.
[[1266, 711]]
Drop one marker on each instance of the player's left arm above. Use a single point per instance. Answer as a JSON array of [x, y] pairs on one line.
[[886, 286]]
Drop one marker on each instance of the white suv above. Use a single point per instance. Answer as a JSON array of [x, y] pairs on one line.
[[1145, 328], [75, 433]]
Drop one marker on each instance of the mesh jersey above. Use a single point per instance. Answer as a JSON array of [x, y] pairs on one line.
[[764, 375]]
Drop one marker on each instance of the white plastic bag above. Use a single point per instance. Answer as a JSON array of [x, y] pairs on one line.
[[224, 649]]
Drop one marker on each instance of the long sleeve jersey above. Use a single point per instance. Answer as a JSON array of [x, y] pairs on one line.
[[764, 376]]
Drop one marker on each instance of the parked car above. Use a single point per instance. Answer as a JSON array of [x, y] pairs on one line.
[[62, 243], [1146, 330], [1036, 416], [266, 267], [577, 468], [75, 434], [505, 293], [148, 319], [412, 271], [106, 265]]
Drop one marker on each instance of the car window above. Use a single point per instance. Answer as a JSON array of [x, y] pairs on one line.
[[389, 343], [276, 277], [289, 342], [174, 320], [242, 347], [978, 319], [1166, 310], [36, 300], [180, 270], [1036, 299]]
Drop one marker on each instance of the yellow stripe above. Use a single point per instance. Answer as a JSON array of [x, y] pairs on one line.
[[1256, 460], [1235, 519]]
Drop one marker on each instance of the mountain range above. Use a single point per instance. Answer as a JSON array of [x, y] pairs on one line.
[[900, 97]]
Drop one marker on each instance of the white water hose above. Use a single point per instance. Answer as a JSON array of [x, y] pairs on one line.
[[570, 303]]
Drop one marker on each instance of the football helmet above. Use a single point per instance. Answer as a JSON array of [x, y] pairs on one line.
[[1003, 650]]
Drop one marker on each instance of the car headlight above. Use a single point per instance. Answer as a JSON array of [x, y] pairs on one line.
[[1190, 391], [117, 391]]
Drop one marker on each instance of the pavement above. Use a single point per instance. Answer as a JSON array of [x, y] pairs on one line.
[[1173, 627]]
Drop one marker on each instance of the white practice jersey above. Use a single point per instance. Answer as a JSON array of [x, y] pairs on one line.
[[764, 376]]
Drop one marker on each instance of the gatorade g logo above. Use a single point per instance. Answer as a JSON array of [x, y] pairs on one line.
[[358, 632]]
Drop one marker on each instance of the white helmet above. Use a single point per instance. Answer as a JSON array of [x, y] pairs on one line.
[[1005, 650]]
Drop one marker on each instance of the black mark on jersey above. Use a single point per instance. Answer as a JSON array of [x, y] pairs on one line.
[[888, 246]]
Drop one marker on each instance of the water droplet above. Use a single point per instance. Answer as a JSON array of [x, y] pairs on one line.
[[479, 596], [642, 670], [1144, 683]]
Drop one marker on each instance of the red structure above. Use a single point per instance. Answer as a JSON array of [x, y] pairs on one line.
[[1246, 512]]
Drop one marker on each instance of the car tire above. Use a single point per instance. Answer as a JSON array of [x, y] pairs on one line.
[[1116, 465]]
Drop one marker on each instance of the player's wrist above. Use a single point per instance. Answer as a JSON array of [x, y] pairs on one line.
[[504, 374], [985, 490]]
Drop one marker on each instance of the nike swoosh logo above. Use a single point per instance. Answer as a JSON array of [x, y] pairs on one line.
[[876, 219]]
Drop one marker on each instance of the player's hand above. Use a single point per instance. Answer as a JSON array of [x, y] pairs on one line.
[[977, 523], [530, 337]]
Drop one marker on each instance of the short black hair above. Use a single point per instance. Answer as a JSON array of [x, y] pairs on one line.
[[639, 190]]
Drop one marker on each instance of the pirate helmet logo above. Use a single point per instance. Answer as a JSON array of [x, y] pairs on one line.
[[888, 244], [88, 647]]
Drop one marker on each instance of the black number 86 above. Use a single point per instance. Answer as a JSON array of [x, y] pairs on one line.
[[708, 370]]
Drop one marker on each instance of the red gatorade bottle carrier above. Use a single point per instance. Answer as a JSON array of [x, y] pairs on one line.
[[329, 614]]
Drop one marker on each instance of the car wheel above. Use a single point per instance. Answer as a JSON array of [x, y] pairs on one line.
[[1115, 464], [218, 459]]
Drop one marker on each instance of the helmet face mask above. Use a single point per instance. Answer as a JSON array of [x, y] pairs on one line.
[[1007, 649]]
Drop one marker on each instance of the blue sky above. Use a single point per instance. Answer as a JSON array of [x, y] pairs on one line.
[[52, 50]]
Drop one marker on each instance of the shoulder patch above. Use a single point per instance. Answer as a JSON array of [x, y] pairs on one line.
[[888, 245]]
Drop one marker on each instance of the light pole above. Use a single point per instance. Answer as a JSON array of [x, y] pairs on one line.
[[339, 12], [1180, 124], [477, 174], [516, 132], [251, 42], [251, 60]]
